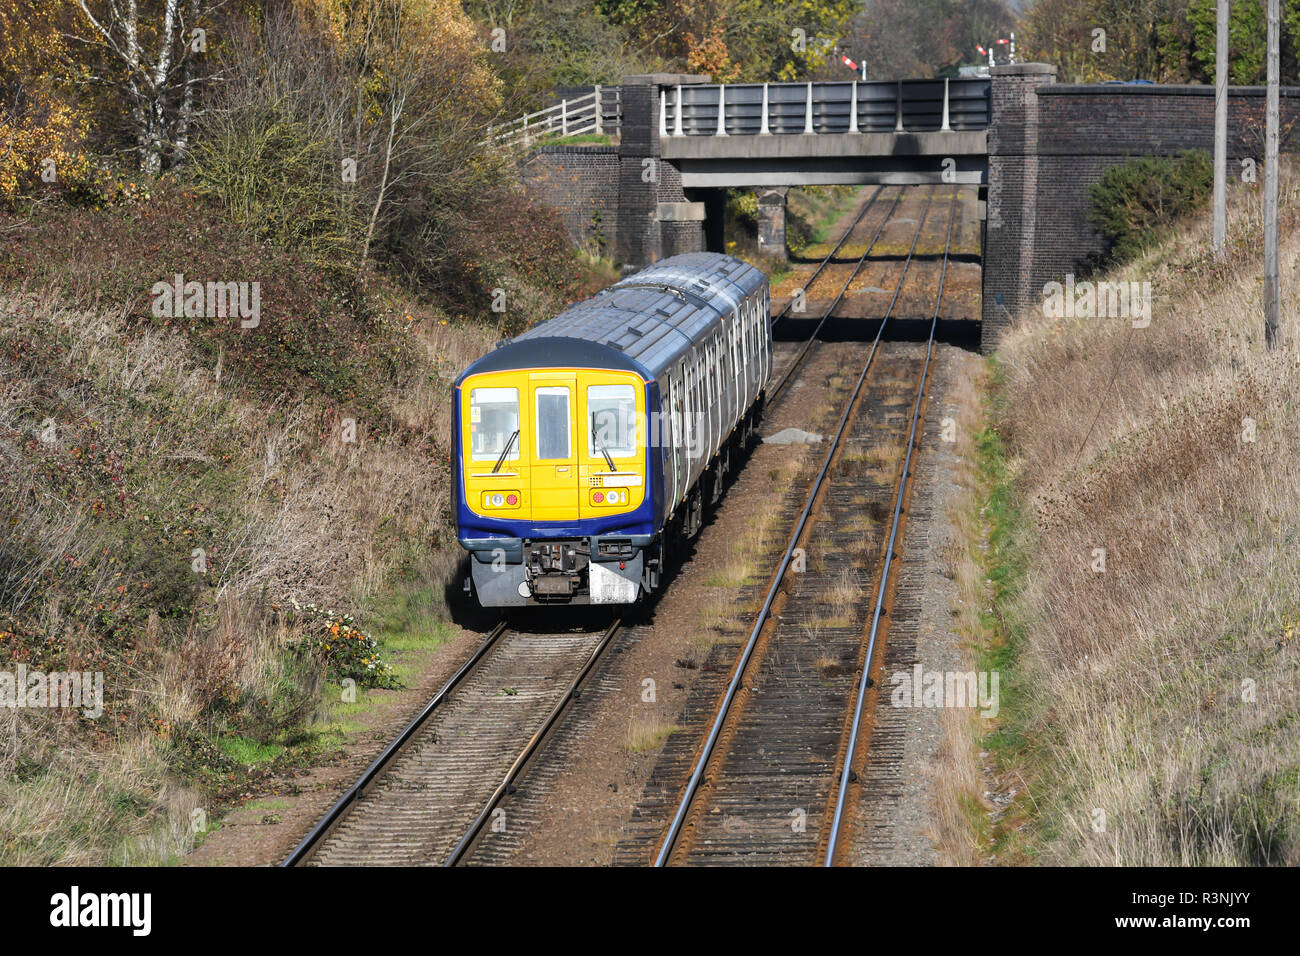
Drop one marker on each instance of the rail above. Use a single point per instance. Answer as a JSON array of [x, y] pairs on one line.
[[724, 708], [535, 741], [846, 772], [341, 806], [806, 347]]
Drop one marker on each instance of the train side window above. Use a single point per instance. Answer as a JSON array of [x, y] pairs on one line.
[[744, 341], [698, 389], [713, 372], [722, 367], [493, 423], [553, 422]]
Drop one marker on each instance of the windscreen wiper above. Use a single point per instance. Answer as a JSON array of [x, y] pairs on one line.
[[601, 445], [510, 443]]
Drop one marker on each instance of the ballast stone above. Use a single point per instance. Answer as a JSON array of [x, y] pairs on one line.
[[792, 436]]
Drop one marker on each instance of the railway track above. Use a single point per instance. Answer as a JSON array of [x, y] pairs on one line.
[[430, 796], [791, 369], [774, 780], [427, 798]]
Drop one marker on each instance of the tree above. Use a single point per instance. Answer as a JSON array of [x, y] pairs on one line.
[[146, 51], [921, 38], [421, 99], [42, 131], [1168, 41]]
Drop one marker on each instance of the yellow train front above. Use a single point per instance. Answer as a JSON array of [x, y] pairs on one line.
[[588, 446]]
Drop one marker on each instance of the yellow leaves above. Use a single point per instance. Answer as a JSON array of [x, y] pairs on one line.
[[428, 44], [40, 131], [47, 136], [709, 55]]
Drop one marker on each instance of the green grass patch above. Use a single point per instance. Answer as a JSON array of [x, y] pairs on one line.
[[267, 804], [252, 752], [582, 139]]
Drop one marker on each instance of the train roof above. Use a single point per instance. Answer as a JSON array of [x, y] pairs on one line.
[[643, 323]]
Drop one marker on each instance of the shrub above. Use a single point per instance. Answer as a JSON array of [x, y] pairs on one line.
[[1135, 203], [275, 179], [347, 651]]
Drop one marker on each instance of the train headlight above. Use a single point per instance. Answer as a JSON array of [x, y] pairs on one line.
[[500, 499], [597, 496]]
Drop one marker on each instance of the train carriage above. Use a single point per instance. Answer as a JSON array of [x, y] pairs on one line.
[[587, 446]]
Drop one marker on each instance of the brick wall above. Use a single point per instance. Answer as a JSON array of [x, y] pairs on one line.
[[608, 196], [1012, 193], [581, 183], [1049, 143]]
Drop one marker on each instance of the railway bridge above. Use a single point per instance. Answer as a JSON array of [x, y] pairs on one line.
[[1031, 146], [799, 134]]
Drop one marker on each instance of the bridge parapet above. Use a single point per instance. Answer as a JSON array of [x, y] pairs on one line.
[[782, 109]]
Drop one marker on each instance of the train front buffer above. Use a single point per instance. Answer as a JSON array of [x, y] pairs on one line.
[[513, 572]]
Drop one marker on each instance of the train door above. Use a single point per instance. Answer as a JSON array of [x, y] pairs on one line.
[[709, 401], [765, 319], [675, 438], [554, 451], [737, 388], [691, 427], [747, 365]]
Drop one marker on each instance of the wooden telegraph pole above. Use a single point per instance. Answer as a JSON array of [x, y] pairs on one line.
[[1221, 131], [1272, 293]]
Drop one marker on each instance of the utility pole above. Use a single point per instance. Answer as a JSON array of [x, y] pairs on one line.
[[1221, 131], [1272, 293]]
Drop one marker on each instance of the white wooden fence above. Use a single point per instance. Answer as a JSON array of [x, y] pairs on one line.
[[596, 112]]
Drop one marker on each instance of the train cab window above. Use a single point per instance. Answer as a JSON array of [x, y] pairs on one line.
[[553, 422], [493, 423], [611, 411]]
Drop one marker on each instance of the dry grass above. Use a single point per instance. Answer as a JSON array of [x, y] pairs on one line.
[[961, 813], [718, 612], [647, 733], [283, 507], [1137, 682]]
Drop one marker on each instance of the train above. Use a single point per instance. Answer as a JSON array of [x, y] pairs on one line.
[[586, 450]]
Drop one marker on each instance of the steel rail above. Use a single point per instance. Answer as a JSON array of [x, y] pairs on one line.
[[461, 848], [344, 802], [831, 255], [793, 367], [889, 554], [693, 784]]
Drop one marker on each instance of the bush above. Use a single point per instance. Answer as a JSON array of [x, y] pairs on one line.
[[1135, 203], [275, 179], [346, 650]]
